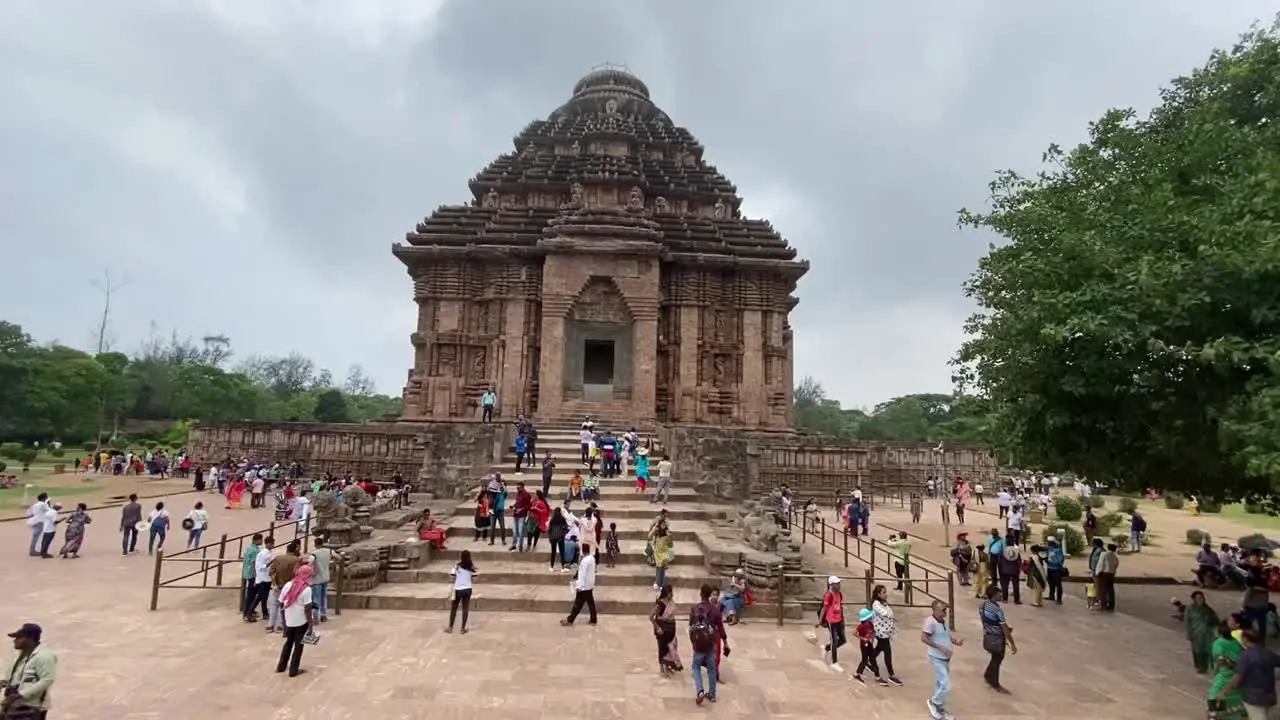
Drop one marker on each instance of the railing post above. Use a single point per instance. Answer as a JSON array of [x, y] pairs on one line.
[[337, 585], [951, 596], [155, 580], [222, 556], [868, 577], [204, 566], [823, 544], [846, 549], [873, 554], [306, 537], [781, 584]]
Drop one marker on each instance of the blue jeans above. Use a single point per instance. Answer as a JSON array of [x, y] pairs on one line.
[[517, 531], [704, 660], [320, 596], [1135, 541], [193, 537], [659, 576], [156, 540], [37, 533], [128, 540], [941, 682]]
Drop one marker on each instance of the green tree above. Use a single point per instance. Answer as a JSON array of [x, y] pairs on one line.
[[1130, 327], [331, 407]]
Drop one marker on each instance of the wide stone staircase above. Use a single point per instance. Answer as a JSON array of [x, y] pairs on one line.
[[512, 580]]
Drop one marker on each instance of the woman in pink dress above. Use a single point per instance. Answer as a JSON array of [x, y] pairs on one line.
[[235, 493]]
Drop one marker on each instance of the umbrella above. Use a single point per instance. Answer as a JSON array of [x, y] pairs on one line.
[[1258, 543]]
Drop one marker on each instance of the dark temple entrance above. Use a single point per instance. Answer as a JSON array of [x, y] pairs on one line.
[[597, 362]]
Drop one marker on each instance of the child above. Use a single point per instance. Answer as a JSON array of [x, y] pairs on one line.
[[917, 506], [591, 490], [866, 633], [982, 573], [1091, 596], [611, 545], [575, 487]]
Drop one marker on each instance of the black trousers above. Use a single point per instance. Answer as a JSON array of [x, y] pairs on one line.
[[868, 660], [836, 632], [487, 414], [900, 571], [557, 552], [1055, 585], [1007, 580], [884, 646], [992, 673], [291, 653], [463, 598], [583, 597], [498, 526], [261, 591]]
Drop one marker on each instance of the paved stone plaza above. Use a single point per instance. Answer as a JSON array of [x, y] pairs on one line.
[[194, 658]]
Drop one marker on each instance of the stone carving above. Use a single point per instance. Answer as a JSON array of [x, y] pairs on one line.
[[611, 107], [661, 205], [530, 150], [479, 365], [719, 210], [491, 199], [333, 520], [636, 199], [482, 318], [575, 195], [600, 301], [575, 148], [719, 375], [447, 363]]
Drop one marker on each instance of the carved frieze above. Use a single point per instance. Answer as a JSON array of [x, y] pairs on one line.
[[600, 301]]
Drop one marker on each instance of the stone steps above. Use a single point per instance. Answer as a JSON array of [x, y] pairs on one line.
[[524, 597], [463, 527], [617, 510], [517, 573], [632, 553]]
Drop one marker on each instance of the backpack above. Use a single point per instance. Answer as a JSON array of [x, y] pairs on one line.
[[1011, 553], [702, 634]]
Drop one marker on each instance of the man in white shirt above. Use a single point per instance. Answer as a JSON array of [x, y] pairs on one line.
[[663, 490], [977, 493], [49, 528], [1004, 500], [262, 575], [302, 509], [35, 520], [199, 518], [1015, 525], [584, 586], [586, 437]]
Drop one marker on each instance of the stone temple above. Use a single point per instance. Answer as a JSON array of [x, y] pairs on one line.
[[602, 267]]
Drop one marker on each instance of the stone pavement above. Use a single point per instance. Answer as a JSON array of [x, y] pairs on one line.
[[195, 659]]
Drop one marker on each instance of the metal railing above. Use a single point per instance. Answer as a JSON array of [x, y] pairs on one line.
[[226, 551], [923, 581]]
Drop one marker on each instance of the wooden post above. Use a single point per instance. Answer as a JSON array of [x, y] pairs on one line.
[[306, 535], [846, 551], [873, 554], [951, 597], [222, 556], [204, 566], [823, 543], [868, 580], [337, 585], [781, 583], [155, 580], [271, 530]]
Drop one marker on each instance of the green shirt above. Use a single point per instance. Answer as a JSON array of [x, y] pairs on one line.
[[33, 676], [246, 570], [901, 549]]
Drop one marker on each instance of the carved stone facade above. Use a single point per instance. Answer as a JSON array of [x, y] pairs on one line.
[[602, 267], [445, 459], [734, 465]]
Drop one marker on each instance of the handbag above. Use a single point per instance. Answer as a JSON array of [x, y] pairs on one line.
[[993, 644]]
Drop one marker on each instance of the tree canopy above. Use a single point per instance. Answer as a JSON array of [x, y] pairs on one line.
[[910, 418], [1130, 327], [53, 392]]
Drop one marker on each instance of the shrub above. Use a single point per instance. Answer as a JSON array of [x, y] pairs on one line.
[[1068, 509], [1121, 540], [1174, 501], [25, 456], [10, 450], [1075, 538], [3, 466], [1095, 502], [1108, 522], [1198, 537], [89, 446], [57, 452], [1254, 508], [1128, 505], [1210, 506]]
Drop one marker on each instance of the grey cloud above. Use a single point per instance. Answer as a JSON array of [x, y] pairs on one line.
[[247, 166]]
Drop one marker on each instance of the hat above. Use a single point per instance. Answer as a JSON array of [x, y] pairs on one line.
[[28, 630], [864, 615], [642, 451], [1052, 539], [739, 571], [833, 580], [961, 536]]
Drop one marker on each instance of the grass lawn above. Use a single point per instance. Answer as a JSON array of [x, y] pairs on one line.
[[69, 488], [1236, 513]]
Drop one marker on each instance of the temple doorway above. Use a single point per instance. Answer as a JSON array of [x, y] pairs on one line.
[[597, 362]]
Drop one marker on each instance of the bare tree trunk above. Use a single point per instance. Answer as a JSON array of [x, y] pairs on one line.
[[108, 287]]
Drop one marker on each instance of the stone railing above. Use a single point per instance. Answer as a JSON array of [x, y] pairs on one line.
[[735, 465]]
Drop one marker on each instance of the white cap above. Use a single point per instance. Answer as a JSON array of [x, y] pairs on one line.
[[833, 580]]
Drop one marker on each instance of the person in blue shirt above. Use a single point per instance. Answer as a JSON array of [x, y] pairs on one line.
[[522, 447], [995, 547], [1056, 564], [488, 401]]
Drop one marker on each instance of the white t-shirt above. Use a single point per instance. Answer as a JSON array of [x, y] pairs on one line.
[[857, 494], [199, 519], [664, 469], [1004, 498], [154, 517], [461, 578], [304, 508], [586, 436], [296, 614], [35, 516], [1015, 520], [978, 488], [261, 573], [50, 519]]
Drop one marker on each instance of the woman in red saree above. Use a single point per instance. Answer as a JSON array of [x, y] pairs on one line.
[[235, 493], [429, 531]]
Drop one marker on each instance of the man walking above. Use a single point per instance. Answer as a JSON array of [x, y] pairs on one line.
[[663, 491], [584, 587], [130, 516], [35, 519], [937, 637], [706, 626]]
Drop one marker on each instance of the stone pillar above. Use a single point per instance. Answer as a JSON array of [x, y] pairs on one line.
[[686, 394], [753, 391], [644, 355], [511, 373], [551, 365]]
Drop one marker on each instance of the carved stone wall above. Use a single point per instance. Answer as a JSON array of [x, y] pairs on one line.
[[741, 464], [444, 458]]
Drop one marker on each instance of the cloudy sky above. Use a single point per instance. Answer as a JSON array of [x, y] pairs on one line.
[[243, 167]]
